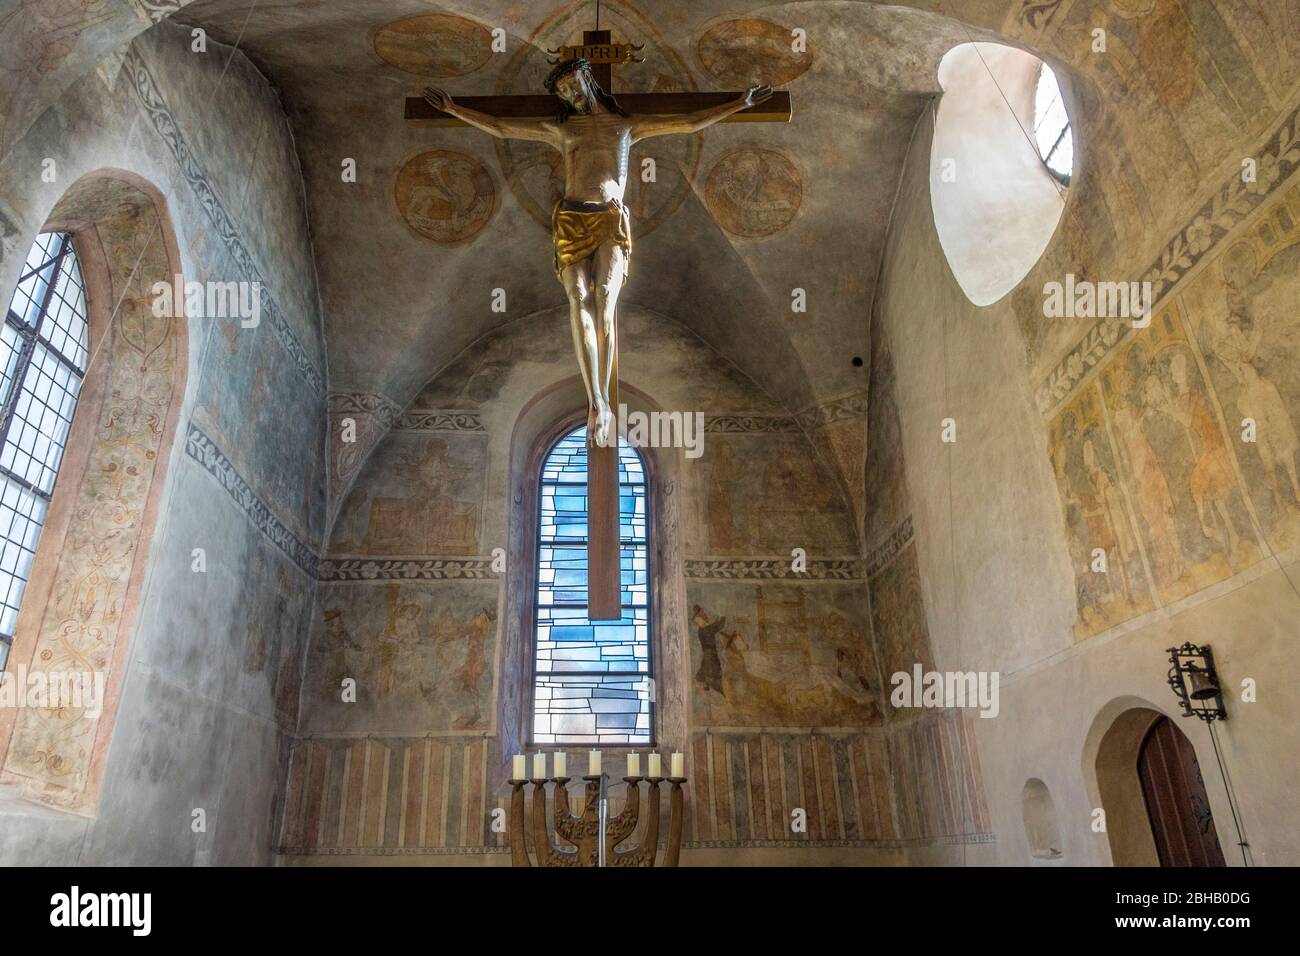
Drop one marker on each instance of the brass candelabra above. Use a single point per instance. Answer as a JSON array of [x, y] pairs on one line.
[[584, 831]]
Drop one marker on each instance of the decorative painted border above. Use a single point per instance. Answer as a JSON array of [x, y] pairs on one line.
[[885, 552], [438, 421], [422, 569], [364, 403], [168, 129], [836, 410], [204, 450], [749, 424], [1201, 236], [767, 569]]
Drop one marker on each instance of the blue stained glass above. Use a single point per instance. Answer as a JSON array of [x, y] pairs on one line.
[[591, 681]]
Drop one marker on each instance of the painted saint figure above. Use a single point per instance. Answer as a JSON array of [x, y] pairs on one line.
[[709, 674], [591, 227]]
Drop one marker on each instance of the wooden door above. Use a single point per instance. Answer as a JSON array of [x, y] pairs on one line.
[[1177, 806]]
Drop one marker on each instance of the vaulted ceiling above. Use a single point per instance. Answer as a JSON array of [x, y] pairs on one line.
[[738, 217]]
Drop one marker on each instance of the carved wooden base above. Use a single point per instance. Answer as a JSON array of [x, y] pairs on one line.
[[582, 830]]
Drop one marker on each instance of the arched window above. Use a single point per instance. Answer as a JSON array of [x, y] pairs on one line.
[[1052, 126], [592, 680], [43, 351]]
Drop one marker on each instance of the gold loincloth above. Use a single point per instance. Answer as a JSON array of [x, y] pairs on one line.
[[578, 233]]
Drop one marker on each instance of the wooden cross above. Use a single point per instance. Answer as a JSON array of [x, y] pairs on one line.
[[603, 554]]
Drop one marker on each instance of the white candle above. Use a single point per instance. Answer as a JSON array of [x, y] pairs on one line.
[[656, 764], [561, 764], [679, 765], [593, 764], [539, 766], [518, 767], [634, 765]]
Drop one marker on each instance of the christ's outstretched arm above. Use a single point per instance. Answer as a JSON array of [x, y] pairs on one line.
[[645, 125], [502, 127]]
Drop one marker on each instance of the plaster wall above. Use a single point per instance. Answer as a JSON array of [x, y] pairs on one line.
[[1003, 555], [211, 678], [409, 603]]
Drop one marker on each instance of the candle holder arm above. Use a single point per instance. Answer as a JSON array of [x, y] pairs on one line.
[[518, 838], [648, 844], [672, 852], [548, 855]]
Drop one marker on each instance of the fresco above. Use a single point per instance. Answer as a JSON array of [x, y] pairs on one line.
[[885, 471], [744, 787], [1242, 312], [54, 749], [415, 794], [1153, 456], [445, 196], [780, 655], [1096, 516], [739, 54], [1174, 463], [532, 170], [435, 45], [422, 656], [754, 192], [423, 496], [898, 616], [765, 494], [270, 649]]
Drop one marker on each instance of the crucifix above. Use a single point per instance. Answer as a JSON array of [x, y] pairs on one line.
[[591, 229]]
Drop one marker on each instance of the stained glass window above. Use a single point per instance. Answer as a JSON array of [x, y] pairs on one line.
[[43, 349], [592, 678]]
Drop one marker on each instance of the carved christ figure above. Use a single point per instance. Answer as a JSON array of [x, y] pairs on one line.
[[590, 226]]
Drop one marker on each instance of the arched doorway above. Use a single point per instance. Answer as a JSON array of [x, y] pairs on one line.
[[1174, 792], [1150, 788]]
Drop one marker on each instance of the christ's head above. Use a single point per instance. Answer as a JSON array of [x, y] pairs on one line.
[[572, 81]]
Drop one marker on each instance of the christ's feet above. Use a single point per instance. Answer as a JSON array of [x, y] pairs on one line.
[[604, 423]]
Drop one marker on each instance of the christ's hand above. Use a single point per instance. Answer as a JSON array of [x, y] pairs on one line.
[[438, 99], [502, 127], [646, 125]]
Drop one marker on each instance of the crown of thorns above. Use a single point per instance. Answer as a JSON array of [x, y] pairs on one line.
[[578, 65]]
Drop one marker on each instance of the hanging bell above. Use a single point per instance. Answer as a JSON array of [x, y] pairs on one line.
[[1202, 683]]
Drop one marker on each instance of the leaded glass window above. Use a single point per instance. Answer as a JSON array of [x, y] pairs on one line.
[[1052, 126], [43, 349], [591, 678]]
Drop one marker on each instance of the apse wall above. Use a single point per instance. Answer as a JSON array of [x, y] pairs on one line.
[[211, 674], [1079, 434], [412, 609]]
